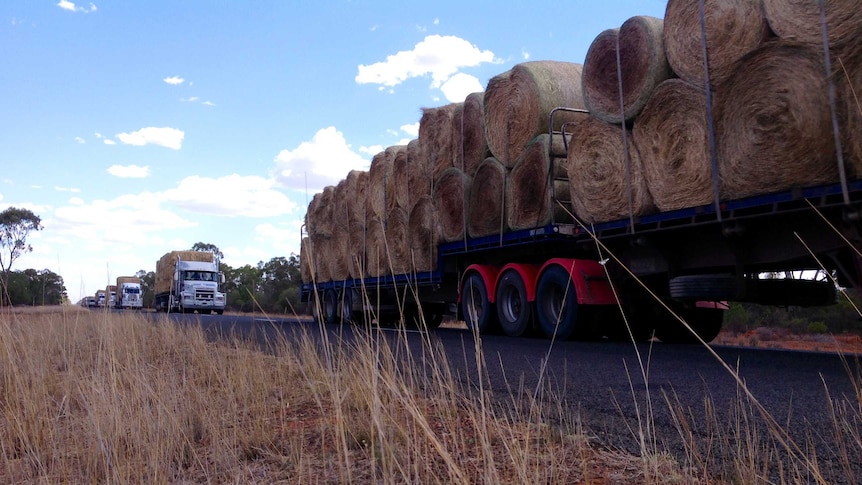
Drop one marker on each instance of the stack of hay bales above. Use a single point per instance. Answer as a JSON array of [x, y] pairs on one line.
[[166, 264], [491, 164]]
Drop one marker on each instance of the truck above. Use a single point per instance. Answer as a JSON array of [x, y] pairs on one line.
[[110, 296], [657, 273], [100, 298], [129, 295], [189, 281]]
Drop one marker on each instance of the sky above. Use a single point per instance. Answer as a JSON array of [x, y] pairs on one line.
[[136, 128]]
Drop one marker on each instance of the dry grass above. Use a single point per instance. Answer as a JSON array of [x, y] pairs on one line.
[[115, 398]]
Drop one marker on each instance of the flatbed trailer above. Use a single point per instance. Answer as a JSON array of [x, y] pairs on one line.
[[570, 280]]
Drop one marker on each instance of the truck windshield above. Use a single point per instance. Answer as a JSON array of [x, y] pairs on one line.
[[200, 276], [132, 291]]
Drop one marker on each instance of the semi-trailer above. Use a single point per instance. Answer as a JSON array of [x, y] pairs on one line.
[[110, 296], [129, 295], [188, 281]]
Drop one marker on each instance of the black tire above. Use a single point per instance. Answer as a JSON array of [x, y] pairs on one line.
[[477, 311], [330, 306], [557, 309], [706, 322], [345, 309], [704, 287], [513, 310]]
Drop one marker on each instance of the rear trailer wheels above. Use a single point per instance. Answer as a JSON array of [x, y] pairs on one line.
[[477, 310], [513, 310], [330, 306], [557, 309]]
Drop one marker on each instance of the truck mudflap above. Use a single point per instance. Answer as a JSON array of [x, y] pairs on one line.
[[591, 282]]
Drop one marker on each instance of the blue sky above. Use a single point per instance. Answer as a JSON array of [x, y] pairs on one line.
[[135, 128]]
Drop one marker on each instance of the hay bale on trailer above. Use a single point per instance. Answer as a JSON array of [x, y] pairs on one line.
[[603, 188], [318, 217], [470, 148], [400, 186], [306, 263], [423, 233], [672, 138], [436, 137], [451, 194], [642, 66], [339, 254], [799, 21], [320, 253], [397, 241], [356, 253], [849, 88], [419, 179], [531, 193], [518, 104], [392, 154], [773, 122], [348, 193], [376, 263], [733, 29], [486, 211], [379, 174]]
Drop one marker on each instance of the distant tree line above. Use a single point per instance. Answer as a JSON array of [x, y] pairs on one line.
[[35, 287], [271, 286]]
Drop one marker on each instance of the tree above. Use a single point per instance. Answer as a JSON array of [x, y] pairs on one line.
[[15, 225], [206, 247], [148, 287]]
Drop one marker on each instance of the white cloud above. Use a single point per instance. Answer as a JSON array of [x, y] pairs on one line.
[[525, 55], [174, 80], [164, 136], [129, 171], [67, 189], [458, 87], [109, 142], [438, 56], [80, 140], [372, 150], [231, 195], [411, 129], [208, 103], [71, 7], [324, 160]]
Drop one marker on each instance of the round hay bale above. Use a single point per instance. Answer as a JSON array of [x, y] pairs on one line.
[[672, 138], [339, 254], [310, 222], [419, 179], [392, 154], [468, 127], [451, 194], [378, 177], [376, 264], [797, 20], [305, 260], [518, 104], [733, 29], [346, 210], [849, 89], [356, 252], [360, 200], [486, 212], [600, 188], [435, 138], [400, 185], [320, 252], [424, 231], [397, 242], [773, 122], [320, 212], [529, 191], [642, 66]]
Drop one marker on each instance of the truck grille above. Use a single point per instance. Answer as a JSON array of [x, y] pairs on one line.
[[207, 295]]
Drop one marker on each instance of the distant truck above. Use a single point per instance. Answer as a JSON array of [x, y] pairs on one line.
[[129, 295], [110, 296], [188, 281], [100, 298]]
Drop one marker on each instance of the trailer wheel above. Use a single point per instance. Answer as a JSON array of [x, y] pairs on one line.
[[557, 305], [706, 322], [478, 312], [330, 306], [346, 307], [513, 309]]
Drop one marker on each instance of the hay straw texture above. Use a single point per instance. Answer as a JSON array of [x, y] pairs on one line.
[[773, 122], [733, 29], [339, 254], [518, 104], [166, 264], [486, 212], [799, 20], [530, 192], [378, 177], [849, 88], [375, 248], [451, 194], [424, 231], [305, 261], [672, 138], [347, 192], [419, 179], [470, 148], [341, 208], [642, 66], [392, 189], [397, 241], [356, 252], [436, 138], [319, 215], [321, 252], [400, 185], [600, 188]]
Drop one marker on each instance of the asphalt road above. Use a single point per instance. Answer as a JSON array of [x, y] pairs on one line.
[[604, 383]]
